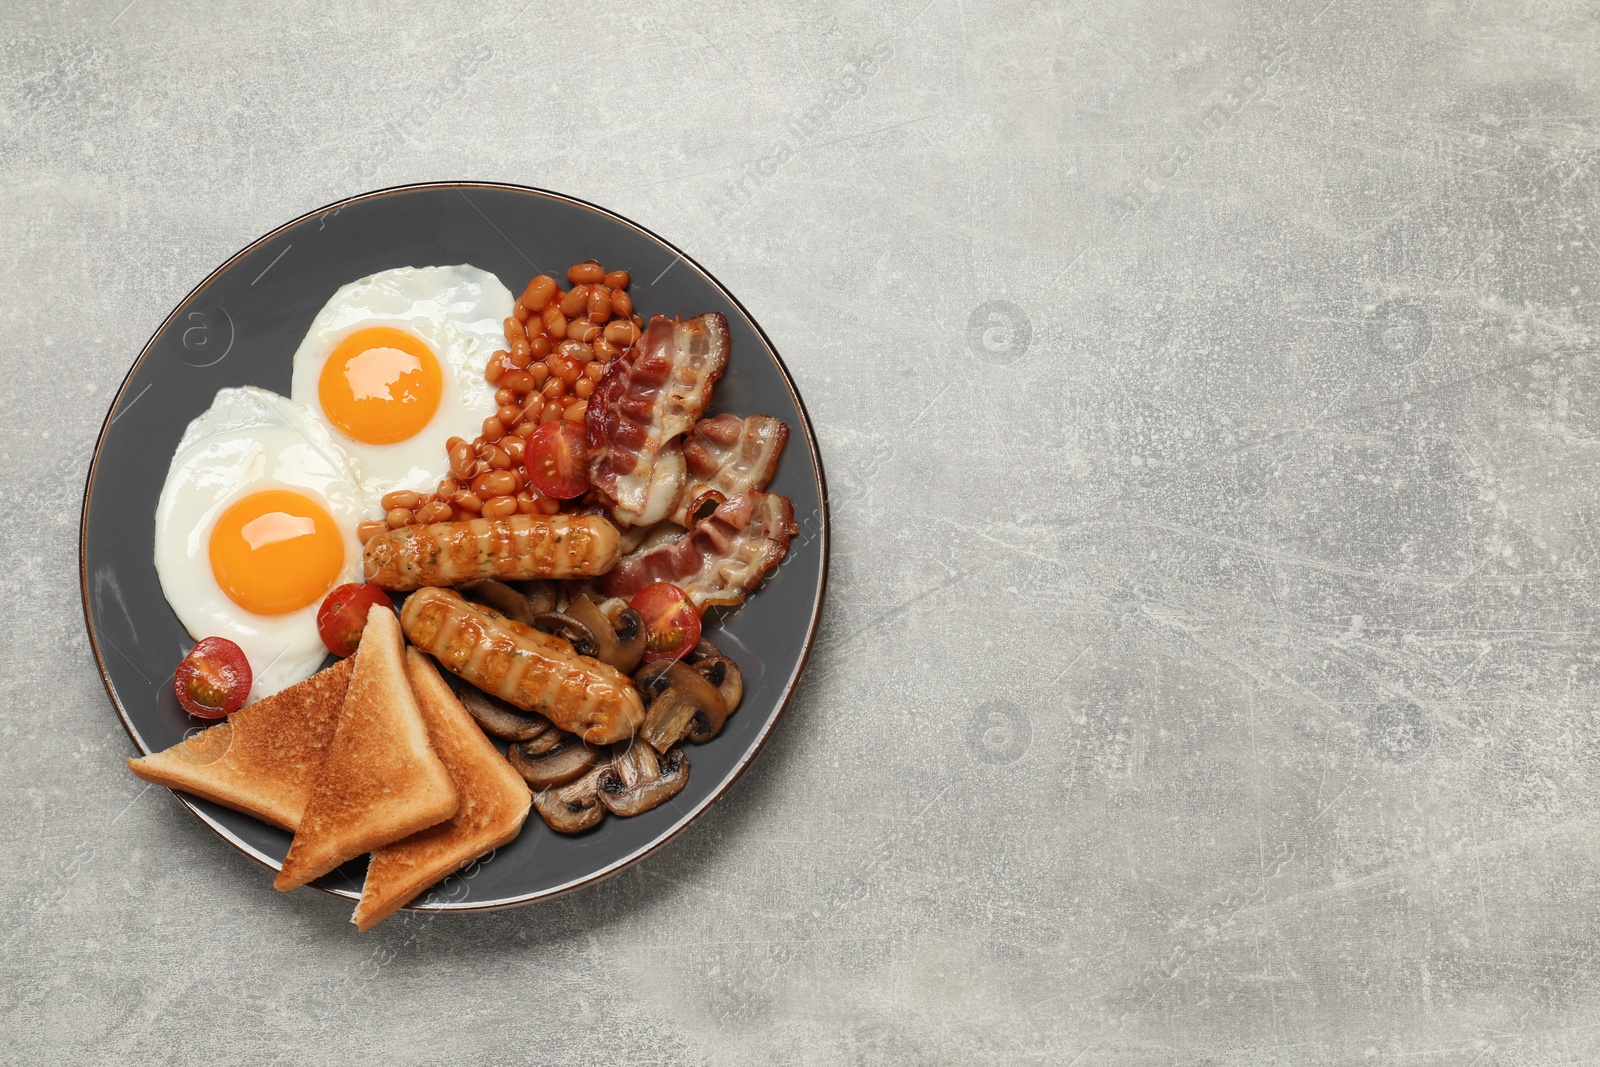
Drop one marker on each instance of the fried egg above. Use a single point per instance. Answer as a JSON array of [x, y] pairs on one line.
[[393, 365], [256, 523]]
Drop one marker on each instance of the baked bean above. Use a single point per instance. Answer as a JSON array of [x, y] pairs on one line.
[[495, 483], [621, 304], [595, 371], [521, 350], [401, 498], [532, 406], [554, 387], [621, 333], [539, 291], [549, 505], [540, 372], [571, 370], [503, 395], [538, 345], [527, 502], [461, 460], [517, 383], [555, 323], [575, 301], [435, 511], [521, 311], [467, 500], [499, 507], [366, 531], [398, 517], [552, 412], [509, 415], [604, 350], [576, 411], [515, 447], [513, 330], [599, 304], [500, 459], [638, 323], [583, 388], [576, 351], [586, 273], [493, 429], [617, 279], [582, 330]]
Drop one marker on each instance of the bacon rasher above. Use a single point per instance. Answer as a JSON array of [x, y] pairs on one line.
[[726, 457], [651, 395], [719, 560]]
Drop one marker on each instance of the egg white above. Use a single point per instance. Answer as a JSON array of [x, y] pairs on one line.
[[460, 312], [248, 441]]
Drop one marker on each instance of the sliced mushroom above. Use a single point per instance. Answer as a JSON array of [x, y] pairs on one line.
[[500, 719], [709, 663], [638, 780], [574, 807], [629, 625], [621, 648], [679, 702], [541, 593], [499, 596], [564, 626], [556, 765]]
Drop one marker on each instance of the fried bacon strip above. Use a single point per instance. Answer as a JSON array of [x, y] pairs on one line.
[[650, 396], [720, 559], [728, 456]]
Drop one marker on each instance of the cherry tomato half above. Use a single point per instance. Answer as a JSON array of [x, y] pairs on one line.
[[671, 625], [213, 679], [554, 460], [343, 615]]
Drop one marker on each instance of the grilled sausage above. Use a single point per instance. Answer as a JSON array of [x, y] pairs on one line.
[[533, 670], [521, 546]]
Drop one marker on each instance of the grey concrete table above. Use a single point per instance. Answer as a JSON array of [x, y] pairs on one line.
[[1211, 407]]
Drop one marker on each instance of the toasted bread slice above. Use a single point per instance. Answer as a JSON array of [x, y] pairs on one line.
[[494, 803], [264, 759], [381, 780]]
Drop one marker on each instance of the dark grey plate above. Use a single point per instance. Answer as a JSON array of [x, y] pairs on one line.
[[241, 326]]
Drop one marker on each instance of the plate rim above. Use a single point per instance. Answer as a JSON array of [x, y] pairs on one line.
[[748, 757]]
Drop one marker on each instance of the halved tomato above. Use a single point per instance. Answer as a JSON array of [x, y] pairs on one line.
[[213, 679], [343, 615], [671, 624], [554, 460]]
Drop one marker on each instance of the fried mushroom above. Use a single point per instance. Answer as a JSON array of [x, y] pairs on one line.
[[619, 643], [499, 596], [678, 701], [638, 780], [501, 719], [556, 764], [575, 806], [560, 624]]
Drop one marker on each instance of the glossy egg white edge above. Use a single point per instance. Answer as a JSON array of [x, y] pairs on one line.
[[460, 312], [251, 440]]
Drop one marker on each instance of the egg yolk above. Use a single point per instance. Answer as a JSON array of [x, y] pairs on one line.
[[276, 551], [380, 385]]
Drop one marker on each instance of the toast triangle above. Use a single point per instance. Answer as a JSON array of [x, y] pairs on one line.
[[381, 780], [494, 802], [264, 759]]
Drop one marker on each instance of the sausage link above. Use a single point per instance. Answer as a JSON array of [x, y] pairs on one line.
[[516, 547], [533, 670]]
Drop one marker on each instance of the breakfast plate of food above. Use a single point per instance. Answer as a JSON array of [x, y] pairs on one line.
[[453, 547]]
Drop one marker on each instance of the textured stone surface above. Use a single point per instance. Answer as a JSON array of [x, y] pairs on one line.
[[1213, 418]]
